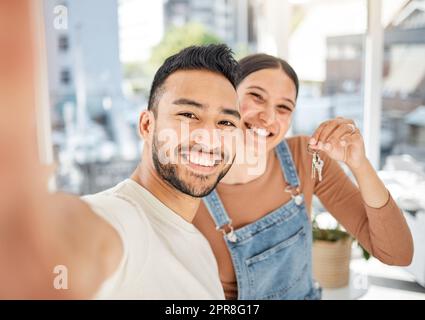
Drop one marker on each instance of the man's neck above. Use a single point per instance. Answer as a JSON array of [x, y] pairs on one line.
[[183, 205]]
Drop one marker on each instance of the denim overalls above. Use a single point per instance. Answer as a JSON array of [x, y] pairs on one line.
[[271, 256]]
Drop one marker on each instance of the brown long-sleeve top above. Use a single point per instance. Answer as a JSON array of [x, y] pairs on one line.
[[383, 232]]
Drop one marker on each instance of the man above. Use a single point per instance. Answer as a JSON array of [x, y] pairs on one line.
[[136, 240], [163, 255]]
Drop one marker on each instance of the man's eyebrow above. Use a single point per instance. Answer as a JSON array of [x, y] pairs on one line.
[[231, 112], [188, 102]]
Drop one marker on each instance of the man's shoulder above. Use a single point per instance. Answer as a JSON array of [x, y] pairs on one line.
[[113, 201], [123, 212], [113, 191]]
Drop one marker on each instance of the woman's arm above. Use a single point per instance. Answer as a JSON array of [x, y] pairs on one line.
[[367, 211], [342, 141], [373, 191]]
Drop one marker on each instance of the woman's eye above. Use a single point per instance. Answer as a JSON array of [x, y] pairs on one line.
[[188, 115], [283, 108], [256, 96], [227, 123]]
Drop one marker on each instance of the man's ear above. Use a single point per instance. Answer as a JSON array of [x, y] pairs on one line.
[[146, 124]]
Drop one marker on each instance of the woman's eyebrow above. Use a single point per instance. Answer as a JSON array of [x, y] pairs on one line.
[[258, 88], [261, 89], [289, 100]]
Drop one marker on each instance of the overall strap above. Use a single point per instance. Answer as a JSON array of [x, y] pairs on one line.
[[287, 164], [216, 209]]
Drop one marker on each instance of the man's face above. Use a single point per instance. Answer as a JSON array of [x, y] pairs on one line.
[[192, 144]]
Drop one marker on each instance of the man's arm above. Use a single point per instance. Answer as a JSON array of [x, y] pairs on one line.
[[38, 230], [88, 246]]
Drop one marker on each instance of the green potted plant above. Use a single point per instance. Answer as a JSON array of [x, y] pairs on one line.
[[332, 253]]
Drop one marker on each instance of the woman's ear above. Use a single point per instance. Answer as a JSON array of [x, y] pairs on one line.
[[146, 124]]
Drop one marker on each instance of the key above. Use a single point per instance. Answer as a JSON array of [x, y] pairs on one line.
[[319, 167], [316, 164]]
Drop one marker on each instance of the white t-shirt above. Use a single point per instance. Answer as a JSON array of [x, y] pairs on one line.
[[165, 257]]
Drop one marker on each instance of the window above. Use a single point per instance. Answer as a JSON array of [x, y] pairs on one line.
[[65, 77], [326, 50], [63, 43], [403, 99]]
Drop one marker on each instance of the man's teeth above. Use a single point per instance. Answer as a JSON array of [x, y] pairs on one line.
[[204, 160], [261, 131]]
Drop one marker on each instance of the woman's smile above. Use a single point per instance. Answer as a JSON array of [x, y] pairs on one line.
[[258, 130]]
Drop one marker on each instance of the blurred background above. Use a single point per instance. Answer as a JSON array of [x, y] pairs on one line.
[[102, 55], [361, 59]]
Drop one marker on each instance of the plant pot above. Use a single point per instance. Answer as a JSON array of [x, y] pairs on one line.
[[331, 262]]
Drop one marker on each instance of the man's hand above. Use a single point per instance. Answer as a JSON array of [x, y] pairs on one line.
[[22, 188]]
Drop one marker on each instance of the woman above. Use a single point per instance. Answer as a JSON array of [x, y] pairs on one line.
[[265, 216]]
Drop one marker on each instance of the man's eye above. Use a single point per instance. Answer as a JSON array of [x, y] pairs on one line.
[[227, 123], [188, 115]]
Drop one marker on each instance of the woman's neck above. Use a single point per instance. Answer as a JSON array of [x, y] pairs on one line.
[[241, 173]]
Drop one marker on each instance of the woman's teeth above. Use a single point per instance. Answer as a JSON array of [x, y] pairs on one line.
[[261, 131]]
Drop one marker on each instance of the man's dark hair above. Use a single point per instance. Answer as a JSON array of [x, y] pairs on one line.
[[217, 58]]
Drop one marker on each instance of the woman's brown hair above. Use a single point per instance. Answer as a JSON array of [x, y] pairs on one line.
[[260, 61]]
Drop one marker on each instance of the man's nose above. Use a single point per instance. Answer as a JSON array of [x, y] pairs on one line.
[[208, 136]]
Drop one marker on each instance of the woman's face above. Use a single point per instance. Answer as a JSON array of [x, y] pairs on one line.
[[267, 102]]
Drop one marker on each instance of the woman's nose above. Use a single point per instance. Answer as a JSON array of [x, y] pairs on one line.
[[268, 116]]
